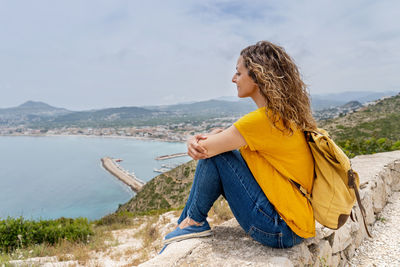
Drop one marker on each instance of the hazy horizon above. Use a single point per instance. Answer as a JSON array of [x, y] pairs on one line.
[[226, 98], [84, 55]]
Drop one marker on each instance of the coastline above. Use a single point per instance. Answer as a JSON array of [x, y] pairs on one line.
[[98, 136]]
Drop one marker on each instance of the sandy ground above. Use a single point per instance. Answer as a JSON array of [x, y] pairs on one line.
[[384, 248]]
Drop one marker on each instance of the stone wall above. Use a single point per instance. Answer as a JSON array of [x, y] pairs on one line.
[[231, 246]]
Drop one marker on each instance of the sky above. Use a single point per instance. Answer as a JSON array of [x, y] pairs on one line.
[[83, 55]]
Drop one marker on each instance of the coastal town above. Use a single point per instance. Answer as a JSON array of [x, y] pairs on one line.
[[174, 132], [170, 132], [178, 132]]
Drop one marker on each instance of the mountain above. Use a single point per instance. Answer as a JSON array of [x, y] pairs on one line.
[[210, 107], [34, 108], [105, 117], [228, 98], [379, 119], [41, 115], [150, 115], [30, 112], [330, 100], [323, 101]]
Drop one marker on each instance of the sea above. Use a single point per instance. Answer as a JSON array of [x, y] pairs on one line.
[[49, 177]]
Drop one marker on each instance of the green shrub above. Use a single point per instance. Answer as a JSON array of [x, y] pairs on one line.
[[186, 173], [164, 204], [396, 146], [122, 217], [168, 180], [167, 191], [362, 146], [19, 233]]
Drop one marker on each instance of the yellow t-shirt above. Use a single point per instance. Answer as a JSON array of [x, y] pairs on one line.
[[272, 156]]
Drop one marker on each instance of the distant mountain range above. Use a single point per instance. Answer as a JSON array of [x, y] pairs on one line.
[[41, 115], [213, 106], [326, 101], [323, 101]]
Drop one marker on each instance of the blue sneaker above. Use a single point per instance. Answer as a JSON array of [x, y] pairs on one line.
[[188, 232], [162, 250]]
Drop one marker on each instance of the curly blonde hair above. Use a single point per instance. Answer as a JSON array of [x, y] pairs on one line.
[[279, 81]]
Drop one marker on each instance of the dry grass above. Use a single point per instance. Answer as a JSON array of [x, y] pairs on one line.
[[177, 213], [134, 262], [104, 239], [220, 211], [4, 260], [126, 223], [149, 235], [131, 251], [148, 232], [116, 256]]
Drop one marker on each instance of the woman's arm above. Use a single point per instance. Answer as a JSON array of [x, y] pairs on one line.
[[194, 149], [221, 142]]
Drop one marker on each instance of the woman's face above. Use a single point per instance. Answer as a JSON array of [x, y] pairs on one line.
[[245, 85]]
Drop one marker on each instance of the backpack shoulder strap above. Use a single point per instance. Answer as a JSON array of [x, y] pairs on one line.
[[353, 185], [301, 189]]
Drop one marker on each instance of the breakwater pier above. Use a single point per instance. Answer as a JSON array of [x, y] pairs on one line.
[[123, 175], [171, 156]]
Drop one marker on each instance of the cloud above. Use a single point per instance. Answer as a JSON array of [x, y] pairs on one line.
[[93, 54]]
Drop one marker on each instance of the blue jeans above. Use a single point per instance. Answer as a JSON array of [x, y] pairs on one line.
[[228, 174]]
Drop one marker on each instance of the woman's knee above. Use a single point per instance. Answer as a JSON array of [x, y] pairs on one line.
[[207, 168], [214, 160], [231, 161], [233, 156], [201, 163]]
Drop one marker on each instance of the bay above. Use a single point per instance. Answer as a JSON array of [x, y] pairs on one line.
[[61, 176]]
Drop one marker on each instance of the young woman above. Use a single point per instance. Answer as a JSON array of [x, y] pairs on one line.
[[254, 180]]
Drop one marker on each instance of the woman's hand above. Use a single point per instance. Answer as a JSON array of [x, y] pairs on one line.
[[195, 150], [223, 141]]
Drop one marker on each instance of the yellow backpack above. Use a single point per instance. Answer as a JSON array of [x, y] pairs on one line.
[[336, 184]]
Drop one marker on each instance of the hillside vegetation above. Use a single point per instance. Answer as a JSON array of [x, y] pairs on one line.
[[169, 190], [371, 129]]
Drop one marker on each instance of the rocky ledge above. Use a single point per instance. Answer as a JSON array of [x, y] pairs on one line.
[[231, 246]]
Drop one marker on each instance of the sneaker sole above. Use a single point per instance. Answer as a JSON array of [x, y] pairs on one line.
[[188, 236]]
